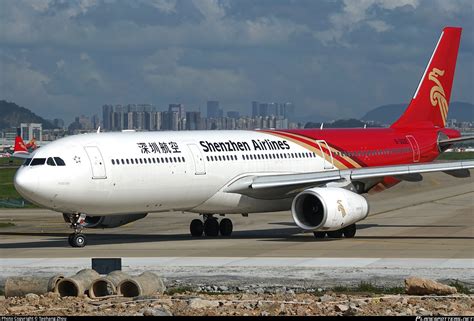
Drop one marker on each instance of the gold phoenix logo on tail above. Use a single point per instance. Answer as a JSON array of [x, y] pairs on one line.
[[437, 95]]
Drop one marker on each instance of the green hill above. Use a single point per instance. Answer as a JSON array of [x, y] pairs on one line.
[[11, 115], [387, 114]]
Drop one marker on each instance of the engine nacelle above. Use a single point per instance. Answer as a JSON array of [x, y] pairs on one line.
[[328, 208], [109, 221]]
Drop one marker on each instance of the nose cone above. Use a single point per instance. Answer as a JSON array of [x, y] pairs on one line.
[[26, 183]]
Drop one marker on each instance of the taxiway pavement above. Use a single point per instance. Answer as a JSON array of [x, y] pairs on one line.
[[430, 219]]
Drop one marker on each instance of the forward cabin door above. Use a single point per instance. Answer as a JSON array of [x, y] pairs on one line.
[[415, 148], [329, 161], [96, 161], [199, 166]]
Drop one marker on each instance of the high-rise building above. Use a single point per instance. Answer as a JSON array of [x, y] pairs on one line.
[[263, 110], [107, 111], [289, 111], [193, 120], [213, 110], [28, 131], [255, 109]]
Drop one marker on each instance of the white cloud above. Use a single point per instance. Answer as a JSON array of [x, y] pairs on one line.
[[167, 6], [355, 13]]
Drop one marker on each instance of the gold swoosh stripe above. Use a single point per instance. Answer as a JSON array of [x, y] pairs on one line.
[[297, 140], [333, 151]]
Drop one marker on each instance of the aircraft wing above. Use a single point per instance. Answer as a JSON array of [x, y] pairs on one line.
[[451, 141], [21, 155], [287, 185]]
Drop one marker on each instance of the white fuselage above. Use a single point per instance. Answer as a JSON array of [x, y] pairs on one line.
[[145, 172]]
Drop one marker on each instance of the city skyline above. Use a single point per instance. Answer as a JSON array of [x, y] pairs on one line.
[[332, 59]]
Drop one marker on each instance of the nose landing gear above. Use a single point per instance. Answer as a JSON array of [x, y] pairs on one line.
[[211, 226], [76, 239]]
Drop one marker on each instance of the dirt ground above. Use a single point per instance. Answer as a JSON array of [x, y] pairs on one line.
[[241, 304]]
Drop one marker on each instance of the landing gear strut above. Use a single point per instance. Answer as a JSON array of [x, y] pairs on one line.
[[211, 226], [347, 232], [76, 239]]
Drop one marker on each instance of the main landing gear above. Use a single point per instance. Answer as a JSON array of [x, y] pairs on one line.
[[76, 239], [211, 226], [347, 232]]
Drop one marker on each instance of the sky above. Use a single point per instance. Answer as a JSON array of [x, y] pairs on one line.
[[332, 59]]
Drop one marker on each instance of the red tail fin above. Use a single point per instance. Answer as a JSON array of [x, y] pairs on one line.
[[431, 100], [19, 146]]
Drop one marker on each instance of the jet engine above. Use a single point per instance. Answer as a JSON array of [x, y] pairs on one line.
[[109, 221], [328, 208]]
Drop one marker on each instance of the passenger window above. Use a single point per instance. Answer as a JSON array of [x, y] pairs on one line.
[[123, 162], [113, 162], [50, 161], [38, 161], [59, 161], [128, 161]]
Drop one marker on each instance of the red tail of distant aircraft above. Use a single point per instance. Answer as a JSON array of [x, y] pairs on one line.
[[22, 150]]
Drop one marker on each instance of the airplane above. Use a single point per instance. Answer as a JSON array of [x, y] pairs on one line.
[[22, 150], [105, 180]]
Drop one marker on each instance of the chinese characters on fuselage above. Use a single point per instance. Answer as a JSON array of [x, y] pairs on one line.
[[159, 148]]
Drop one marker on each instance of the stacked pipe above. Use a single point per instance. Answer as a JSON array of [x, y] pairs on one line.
[[78, 284], [147, 283], [22, 285], [87, 282], [107, 285]]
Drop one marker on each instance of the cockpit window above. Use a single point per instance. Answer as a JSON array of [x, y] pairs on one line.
[[27, 162], [50, 162], [38, 161], [59, 161]]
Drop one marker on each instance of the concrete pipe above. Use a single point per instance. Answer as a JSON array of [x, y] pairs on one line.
[[22, 285], [77, 285], [147, 283], [107, 285]]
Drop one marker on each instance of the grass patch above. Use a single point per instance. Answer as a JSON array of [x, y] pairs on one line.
[[368, 287], [456, 156], [7, 190], [9, 197], [10, 161], [178, 290], [6, 224], [2, 291], [460, 287]]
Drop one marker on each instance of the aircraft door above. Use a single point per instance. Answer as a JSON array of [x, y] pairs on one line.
[[415, 148], [96, 161], [199, 166], [329, 164]]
